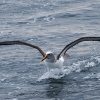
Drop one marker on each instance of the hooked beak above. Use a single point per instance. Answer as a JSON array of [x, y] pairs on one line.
[[44, 58]]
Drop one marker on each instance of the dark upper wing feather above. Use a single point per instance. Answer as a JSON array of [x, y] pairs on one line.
[[70, 45], [22, 43]]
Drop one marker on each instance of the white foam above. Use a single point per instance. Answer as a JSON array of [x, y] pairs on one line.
[[75, 67], [90, 64], [53, 73], [59, 73], [98, 59]]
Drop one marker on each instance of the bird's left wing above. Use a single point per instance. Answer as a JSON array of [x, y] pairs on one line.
[[70, 45]]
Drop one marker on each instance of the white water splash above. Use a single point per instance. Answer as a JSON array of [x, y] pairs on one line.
[[75, 67], [53, 73], [58, 73], [97, 59]]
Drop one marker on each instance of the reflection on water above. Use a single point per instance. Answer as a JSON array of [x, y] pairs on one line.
[[55, 87]]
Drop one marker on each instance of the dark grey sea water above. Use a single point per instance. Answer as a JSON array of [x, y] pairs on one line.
[[50, 24]]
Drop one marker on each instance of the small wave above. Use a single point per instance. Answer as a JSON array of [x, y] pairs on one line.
[[49, 18], [92, 76]]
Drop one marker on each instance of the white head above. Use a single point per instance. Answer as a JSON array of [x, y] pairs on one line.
[[49, 57]]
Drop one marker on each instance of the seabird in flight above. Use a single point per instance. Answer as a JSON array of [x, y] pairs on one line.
[[51, 60]]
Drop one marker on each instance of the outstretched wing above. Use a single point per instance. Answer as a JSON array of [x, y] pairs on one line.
[[70, 45], [22, 43]]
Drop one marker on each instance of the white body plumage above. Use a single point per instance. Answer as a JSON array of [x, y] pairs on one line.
[[52, 63]]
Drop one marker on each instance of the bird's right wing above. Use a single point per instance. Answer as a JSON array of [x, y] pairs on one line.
[[22, 43], [70, 45]]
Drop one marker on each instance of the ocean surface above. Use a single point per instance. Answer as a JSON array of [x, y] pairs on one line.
[[49, 24]]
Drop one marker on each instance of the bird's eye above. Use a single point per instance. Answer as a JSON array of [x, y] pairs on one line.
[[48, 54]]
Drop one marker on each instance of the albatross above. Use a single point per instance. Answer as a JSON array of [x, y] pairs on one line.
[[50, 59]]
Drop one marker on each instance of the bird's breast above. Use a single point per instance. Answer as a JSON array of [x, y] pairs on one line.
[[56, 64]]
